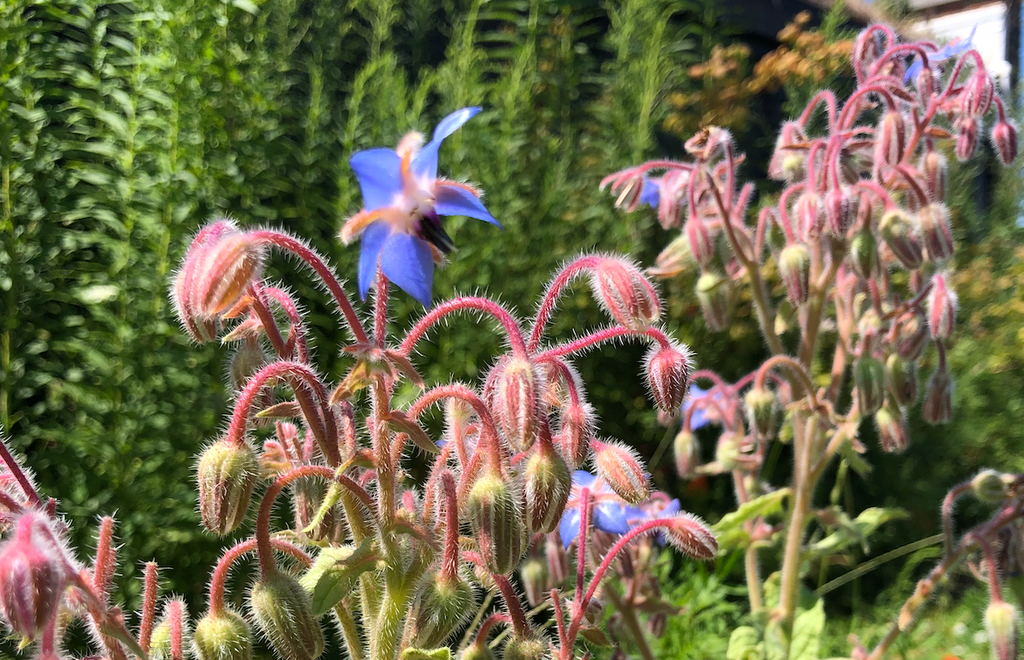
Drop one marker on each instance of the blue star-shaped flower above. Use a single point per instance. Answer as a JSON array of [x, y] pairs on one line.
[[952, 49], [608, 514], [700, 418], [404, 201]]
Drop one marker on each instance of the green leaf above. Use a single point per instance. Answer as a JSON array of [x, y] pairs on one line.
[[807, 630], [765, 505], [745, 644], [443, 653]]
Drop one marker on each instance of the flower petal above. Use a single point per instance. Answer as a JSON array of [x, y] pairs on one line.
[[581, 478], [379, 175], [610, 517], [408, 262], [455, 200], [425, 162], [650, 192], [569, 527], [372, 242]]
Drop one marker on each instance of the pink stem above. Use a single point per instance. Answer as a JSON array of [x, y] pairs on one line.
[[19, 474], [581, 547], [380, 309], [220, 573], [263, 545], [106, 558], [175, 614], [455, 391], [450, 561], [490, 622], [292, 312], [149, 596], [547, 305], [824, 96], [503, 316], [601, 336], [515, 609]]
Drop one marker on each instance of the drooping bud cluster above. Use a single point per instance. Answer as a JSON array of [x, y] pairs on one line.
[[33, 576]]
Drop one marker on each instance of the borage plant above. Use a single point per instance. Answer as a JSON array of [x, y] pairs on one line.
[[400, 563], [860, 238]]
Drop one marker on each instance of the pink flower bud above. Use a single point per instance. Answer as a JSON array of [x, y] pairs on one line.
[[516, 403], [941, 308], [795, 269], [687, 454], [810, 216], [691, 536], [937, 407], [864, 254], [977, 94], [840, 210], [547, 485], [186, 282], [625, 293], [891, 139], [672, 198], [630, 191], [967, 138], [867, 48], [1002, 623], [702, 243], [226, 474], [33, 576], [714, 292], [621, 469], [936, 175], [222, 636], [281, 610], [898, 233], [536, 583], [577, 429], [668, 375], [1004, 141], [911, 335], [792, 133], [869, 378], [901, 379], [892, 429], [493, 512], [228, 266], [936, 233]]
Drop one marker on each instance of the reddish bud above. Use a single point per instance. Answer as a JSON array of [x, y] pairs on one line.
[[810, 215], [673, 197], [621, 469], [516, 403], [535, 578], [864, 254], [787, 163], [967, 138], [840, 210], [937, 407], [869, 377], [687, 454], [229, 265], [891, 139], [170, 636], [668, 375], [691, 536], [222, 636], [911, 336], [897, 231], [625, 293], [630, 190], [33, 576], [557, 559], [186, 282], [892, 429], [795, 269], [936, 233], [867, 48], [1002, 623], [227, 474], [281, 610], [936, 174], [941, 308], [702, 243], [762, 408], [901, 379], [577, 429], [497, 524], [1004, 141], [714, 292], [547, 485], [977, 94]]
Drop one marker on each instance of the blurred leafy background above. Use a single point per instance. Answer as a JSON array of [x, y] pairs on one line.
[[125, 125]]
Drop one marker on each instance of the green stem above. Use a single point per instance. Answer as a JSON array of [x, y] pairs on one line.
[[753, 572], [349, 632], [390, 618], [629, 618], [804, 431]]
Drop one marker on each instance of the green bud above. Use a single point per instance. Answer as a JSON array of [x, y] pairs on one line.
[[714, 292], [282, 612], [991, 487], [1002, 622], [477, 651], [443, 607], [761, 407], [901, 377], [548, 482], [536, 581], [497, 524], [525, 648], [795, 268], [869, 377], [227, 475], [864, 254], [223, 636]]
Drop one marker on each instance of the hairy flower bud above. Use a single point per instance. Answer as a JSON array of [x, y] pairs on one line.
[[840, 210], [1004, 141], [901, 377], [688, 534], [525, 648], [869, 377], [477, 651], [864, 254], [936, 233], [245, 362], [668, 375], [443, 606], [621, 469], [761, 408], [977, 94], [714, 292], [547, 485], [892, 429], [911, 336], [792, 133], [687, 454], [186, 282], [33, 576], [702, 243], [229, 265], [867, 48], [1002, 623], [991, 487], [497, 524], [282, 611], [795, 269], [897, 231], [937, 407], [517, 401], [222, 636], [966, 139], [577, 429], [227, 474], [625, 293], [536, 581], [810, 216], [891, 139], [174, 623], [941, 305], [936, 174], [674, 260]]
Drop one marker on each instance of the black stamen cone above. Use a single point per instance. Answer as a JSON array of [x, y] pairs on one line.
[[432, 232]]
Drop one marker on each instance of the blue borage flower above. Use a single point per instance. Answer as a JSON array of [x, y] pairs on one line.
[[404, 201], [952, 49], [701, 417], [656, 508], [609, 513]]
